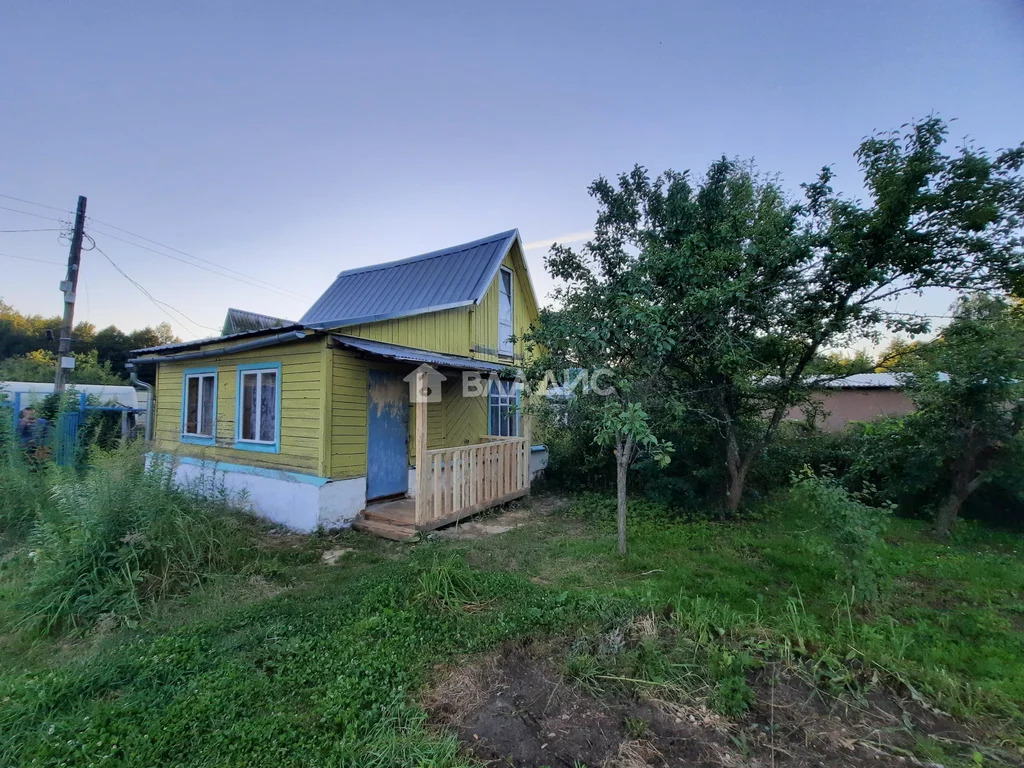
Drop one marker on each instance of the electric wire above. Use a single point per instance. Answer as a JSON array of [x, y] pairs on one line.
[[41, 205], [30, 258], [29, 213], [235, 274], [198, 266], [193, 256], [159, 304]]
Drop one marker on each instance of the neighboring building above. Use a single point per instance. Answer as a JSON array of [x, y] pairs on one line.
[[240, 321], [858, 397], [314, 420]]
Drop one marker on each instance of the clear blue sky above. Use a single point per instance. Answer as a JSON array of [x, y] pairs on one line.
[[289, 141]]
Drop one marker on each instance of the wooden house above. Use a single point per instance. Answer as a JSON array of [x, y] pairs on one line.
[[387, 405]]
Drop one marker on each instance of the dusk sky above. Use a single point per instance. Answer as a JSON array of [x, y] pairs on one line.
[[289, 141]]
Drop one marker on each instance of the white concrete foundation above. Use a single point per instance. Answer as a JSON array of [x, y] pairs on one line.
[[341, 501], [297, 501], [300, 502]]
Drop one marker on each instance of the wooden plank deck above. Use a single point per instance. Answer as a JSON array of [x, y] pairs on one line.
[[396, 519]]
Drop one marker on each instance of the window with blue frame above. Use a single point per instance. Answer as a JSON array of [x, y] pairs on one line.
[[504, 409], [259, 400], [199, 406]]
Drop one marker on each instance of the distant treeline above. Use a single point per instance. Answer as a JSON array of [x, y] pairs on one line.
[[28, 345]]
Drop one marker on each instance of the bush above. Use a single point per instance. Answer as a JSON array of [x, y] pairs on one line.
[[120, 537], [853, 528]]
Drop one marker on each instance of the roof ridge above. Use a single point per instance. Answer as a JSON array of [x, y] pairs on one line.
[[431, 254]]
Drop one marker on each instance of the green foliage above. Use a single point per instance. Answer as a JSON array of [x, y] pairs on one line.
[[448, 583], [27, 355], [969, 392], [854, 529], [717, 295], [731, 695], [119, 537], [325, 674], [24, 491], [330, 670], [39, 366]]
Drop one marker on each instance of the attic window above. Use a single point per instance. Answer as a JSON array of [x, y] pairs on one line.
[[505, 346]]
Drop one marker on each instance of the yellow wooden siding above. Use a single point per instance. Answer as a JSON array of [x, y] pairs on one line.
[[485, 316], [348, 414], [465, 418], [446, 331], [301, 407]]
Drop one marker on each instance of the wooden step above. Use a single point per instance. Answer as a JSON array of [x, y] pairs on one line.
[[385, 530], [400, 518]]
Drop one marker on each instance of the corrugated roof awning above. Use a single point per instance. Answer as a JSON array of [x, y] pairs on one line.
[[419, 356]]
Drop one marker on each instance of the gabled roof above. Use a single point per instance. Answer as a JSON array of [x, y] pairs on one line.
[[444, 279], [240, 321]]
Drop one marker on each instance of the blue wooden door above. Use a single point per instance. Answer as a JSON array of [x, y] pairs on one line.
[[387, 419]]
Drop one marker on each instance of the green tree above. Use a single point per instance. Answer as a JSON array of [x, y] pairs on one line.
[[608, 328], [749, 286], [969, 390], [39, 366]]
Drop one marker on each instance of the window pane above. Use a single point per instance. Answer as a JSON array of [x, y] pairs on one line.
[[248, 406], [191, 404], [505, 313], [206, 417], [268, 407]]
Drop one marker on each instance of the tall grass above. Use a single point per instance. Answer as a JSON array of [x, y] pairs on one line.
[[23, 486], [114, 538]]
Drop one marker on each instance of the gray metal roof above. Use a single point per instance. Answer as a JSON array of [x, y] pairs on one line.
[[867, 381], [197, 343], [413, 355], [444, 279], [240, 321]]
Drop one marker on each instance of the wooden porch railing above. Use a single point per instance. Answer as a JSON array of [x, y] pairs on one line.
[[455, 482]]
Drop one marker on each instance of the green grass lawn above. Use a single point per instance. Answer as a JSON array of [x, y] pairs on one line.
[[300, 663]]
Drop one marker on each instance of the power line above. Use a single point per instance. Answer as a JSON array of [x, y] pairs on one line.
[[41, 205], [28, 213], [235, 274], [29, 258], [267, 287], [159, 304], [47, 229], [192, 256]]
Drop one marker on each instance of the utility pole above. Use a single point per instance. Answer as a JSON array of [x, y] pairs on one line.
[[68, 287]]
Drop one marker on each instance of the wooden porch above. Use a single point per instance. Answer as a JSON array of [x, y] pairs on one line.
[[452, 483]]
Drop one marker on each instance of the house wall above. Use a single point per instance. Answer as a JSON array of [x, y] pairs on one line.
[[845, 405], [484, 317], [446, 331], [349, 383], [467, 331], [302, 402]]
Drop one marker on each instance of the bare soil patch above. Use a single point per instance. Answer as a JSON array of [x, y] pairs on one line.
[[514, 708], [502, 521]]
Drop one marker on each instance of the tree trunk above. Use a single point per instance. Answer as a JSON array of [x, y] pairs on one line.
[[963, 486], [623, 454], [737, 469]]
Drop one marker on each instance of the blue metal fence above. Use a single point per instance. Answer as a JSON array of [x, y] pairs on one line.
[[67, 433]]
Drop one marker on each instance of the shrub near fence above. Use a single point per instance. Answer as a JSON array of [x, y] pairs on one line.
[[112, 539]]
